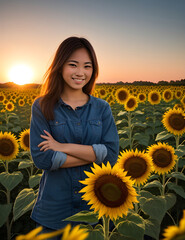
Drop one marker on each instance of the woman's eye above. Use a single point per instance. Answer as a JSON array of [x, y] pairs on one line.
[[72, 65], [88, 66]]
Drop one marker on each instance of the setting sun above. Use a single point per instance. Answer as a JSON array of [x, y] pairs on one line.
[[21, 74]]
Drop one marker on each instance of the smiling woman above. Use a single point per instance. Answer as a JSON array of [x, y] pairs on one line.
[[21, 74]]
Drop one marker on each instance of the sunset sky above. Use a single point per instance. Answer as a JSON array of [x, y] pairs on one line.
[[134, 39]]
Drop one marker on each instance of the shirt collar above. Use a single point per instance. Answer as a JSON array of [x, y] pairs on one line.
[[61, 102]]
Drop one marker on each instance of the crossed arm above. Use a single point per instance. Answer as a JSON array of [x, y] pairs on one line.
[[77, 154]]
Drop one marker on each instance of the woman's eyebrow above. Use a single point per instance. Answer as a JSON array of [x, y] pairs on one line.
[[78, 62]]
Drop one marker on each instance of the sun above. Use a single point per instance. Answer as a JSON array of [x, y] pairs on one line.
[[21, 74]]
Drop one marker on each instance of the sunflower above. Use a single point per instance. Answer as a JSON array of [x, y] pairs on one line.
[[167, 95], [36, 234], [131, 103], [2, 97], [9, 147], [10, 106], [21, 102], [75, 234], [175, 232], [122, 95], [141, 97], [154, 97], [109, 191], [178, 94], [138, 165], [102, 93], [174, 121], [24, 139], [163, 157]]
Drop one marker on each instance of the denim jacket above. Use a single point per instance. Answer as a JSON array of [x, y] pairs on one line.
[[90, 124]]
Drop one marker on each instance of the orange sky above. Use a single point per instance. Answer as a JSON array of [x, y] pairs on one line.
[[133, 40]]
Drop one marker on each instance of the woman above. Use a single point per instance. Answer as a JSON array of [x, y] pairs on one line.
[[70, 129]]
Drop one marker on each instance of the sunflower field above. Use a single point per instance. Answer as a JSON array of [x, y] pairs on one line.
[[141, 197]]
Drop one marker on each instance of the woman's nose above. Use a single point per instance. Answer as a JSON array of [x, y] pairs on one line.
[[79, 72]]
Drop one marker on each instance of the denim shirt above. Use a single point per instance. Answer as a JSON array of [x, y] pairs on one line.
[[90, 124]]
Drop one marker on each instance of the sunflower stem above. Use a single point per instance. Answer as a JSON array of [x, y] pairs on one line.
[[6, 166], [130, 129], [106, 221], [177, 138], [163, 184]]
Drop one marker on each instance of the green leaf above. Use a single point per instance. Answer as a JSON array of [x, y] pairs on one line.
[[163, 135], [178, 189], [152, 228], [84, 216], [124, 142], [170, 199], [155, 207], [138, 112], [119, 236], [121, 113], [23, 202], [132, 227], [139, 124], [16, 129], [34, 180], [179, 152], [25, 164], [142, 139], [95, 234], [177, 175], [10, 180], [5, 210], [155, 183]]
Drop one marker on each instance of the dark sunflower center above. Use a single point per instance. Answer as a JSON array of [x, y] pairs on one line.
[[26, 140], [6, 147], [154, 97], [177, 121], [1, 98], [135, 166], [167, 95], [131, 103], [122, 95], [9, 106], [162, 158], [178, 93], [102, 92], [141, 97], [111, 190]]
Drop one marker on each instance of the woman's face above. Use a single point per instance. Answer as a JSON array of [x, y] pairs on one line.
[[78, 69]]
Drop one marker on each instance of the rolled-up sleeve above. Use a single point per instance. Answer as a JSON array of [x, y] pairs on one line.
[[48, 160], [100, 152]]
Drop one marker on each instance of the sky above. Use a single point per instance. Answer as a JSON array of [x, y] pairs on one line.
[[135, 40]]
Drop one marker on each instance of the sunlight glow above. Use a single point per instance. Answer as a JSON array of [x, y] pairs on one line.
[[21, 74]]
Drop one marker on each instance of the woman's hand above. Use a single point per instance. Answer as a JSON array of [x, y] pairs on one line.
[[49, 143]]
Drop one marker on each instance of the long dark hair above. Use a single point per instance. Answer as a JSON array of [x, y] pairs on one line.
[[53, 81]]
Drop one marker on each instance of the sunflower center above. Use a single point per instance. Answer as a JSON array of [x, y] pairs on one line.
[[177, 121], [135, 166], [167, 95], [26, 140], [102, 92], [131, 103], [122, 95], [162, 158], [154, 97], [6, 147], [141, 97], [111, 190]]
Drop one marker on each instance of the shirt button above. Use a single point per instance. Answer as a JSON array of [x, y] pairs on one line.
[[78, 124], [69, 107]]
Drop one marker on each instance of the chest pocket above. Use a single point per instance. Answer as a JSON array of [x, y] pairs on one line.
[[58, 129], [96, 129]]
